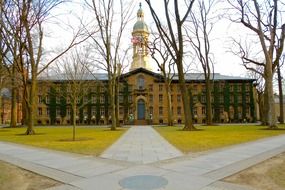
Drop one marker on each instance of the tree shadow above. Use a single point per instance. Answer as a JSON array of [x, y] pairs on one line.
[[76, 139], [36, 134]]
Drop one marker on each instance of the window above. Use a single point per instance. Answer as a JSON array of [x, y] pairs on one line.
[[231, 99], [171, 98], [239, 99], [221, 99], [47, 111], [57, 112], [40, 99], [247, 87], [178, 98], [47, 99], [203, 110], [221, 110], [140, 82], [195, 99], [40, 111], [231, 88], [150, 87], [195, 111], [93, 100], [102, 111], [247, 98], [151, 98], [102, 99], [102, 89], [68, 111], [203, 99], [85, 99], [160, 110], [121, 98], [239, 88], [151, 110], [195, 88], [160, 87], [68, 100], [130, 87], [93, 111], [121, 111], [160, 98], [178, 110], [58, 100], [130, 98]]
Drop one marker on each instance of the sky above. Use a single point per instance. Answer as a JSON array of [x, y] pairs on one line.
[[225, 62]]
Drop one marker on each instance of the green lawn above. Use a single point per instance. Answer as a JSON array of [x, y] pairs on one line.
[[90, 140], [210, 137]]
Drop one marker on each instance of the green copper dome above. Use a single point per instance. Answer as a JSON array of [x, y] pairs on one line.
[[140, 26]]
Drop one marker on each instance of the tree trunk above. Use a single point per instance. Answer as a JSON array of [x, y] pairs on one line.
[[208, 102], [169, 103], [113, 104], [185, 97], [14, 99], [14, 107], [1, 109], [74, 119], [31, 106], [281, 103], [269, 104], [117, 103]]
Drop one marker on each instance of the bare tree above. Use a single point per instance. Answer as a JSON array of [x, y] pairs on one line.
[[173, 34], [280, 89], [198, 34], [74, 71], [263, 18], [23, 24], [161, 56], [111, 17]]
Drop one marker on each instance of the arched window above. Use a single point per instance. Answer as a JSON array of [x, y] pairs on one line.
[[140, 82]]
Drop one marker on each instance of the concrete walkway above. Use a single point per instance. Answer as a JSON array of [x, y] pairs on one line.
[[183, 173], [141, 144]]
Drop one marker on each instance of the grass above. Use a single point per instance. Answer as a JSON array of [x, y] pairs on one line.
[[211, 137], [91, 141]]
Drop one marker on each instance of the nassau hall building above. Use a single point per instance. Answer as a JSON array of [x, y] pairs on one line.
[[142, 95]]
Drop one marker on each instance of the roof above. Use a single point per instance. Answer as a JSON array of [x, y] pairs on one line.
[[65, 77], [140, 26], [188, 76]]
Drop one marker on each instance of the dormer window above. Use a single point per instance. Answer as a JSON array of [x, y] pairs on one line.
[[140, 82]]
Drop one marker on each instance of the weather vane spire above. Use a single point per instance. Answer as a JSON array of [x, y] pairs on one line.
[[140, 5]]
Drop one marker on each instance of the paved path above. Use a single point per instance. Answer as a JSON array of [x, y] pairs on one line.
[[141, 144], [183, 173]]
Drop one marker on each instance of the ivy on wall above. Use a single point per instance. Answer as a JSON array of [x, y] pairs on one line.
[[243, 100], [252, 107], [236, 114], [191, 102], [216, 102], [52, 105], [63, 101], [227, 97]]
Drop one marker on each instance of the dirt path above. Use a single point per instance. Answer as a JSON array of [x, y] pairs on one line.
[[268, 175], [14, 178]]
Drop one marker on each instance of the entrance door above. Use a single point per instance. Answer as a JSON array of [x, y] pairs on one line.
[[141, 109]]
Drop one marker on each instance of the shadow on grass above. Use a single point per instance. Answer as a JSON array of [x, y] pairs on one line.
[[76, 139], [272, 129], [23, 134], [4, 130]]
